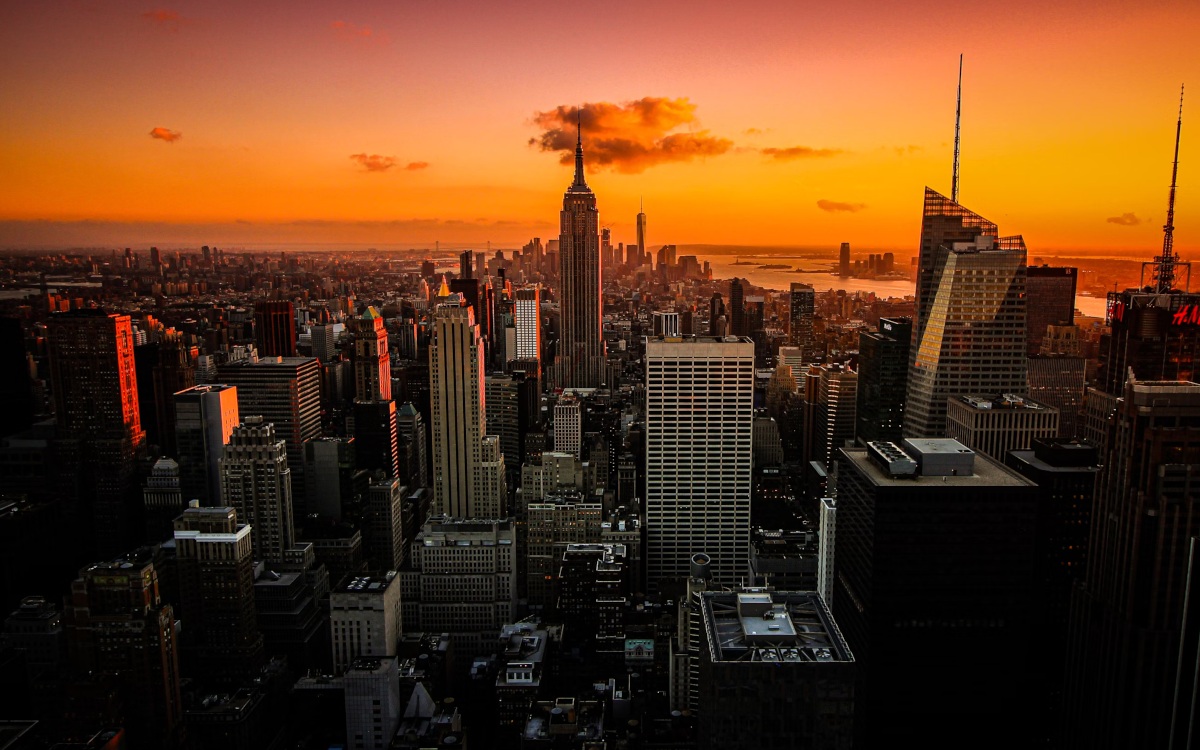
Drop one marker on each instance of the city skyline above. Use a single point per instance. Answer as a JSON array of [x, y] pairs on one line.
[[374, 125]]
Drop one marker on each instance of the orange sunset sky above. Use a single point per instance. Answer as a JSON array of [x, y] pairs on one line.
[[403, 122]]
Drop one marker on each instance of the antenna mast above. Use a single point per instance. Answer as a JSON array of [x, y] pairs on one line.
[[957, 122], [1165, 272]]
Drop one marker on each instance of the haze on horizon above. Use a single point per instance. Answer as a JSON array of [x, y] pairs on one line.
[[398, 125]]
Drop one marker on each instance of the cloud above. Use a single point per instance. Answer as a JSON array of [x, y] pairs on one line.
[[166, 134], [374, 162], [755, 131], [799, 152], [414, 166], [628, 137], [168, 20], [352, 32], [908, 150], [840, 207], [1124, 220]]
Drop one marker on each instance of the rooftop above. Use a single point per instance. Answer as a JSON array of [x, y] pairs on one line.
[[761, 625], [985, 472]]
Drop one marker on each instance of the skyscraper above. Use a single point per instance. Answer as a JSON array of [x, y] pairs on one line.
[[581, 348], [221, 640], [970, 327], [800, 328], [641, 229], [372, 367], [275, 328], [837, 409], [1050, 300], [257, 483], [286, 392], [528, 313], [205, 415], [883, 379], [462, 487], [737, 308], [717, 322], [699, 429], [118, 625], [1125, 660], [100, 435], [934, 560], [844, 260]]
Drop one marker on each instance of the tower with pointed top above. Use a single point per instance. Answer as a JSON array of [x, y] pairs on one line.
[[641, 228], [581, 348]]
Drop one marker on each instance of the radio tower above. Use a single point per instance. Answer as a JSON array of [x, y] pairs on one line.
[[957, 121], [1164, 274]]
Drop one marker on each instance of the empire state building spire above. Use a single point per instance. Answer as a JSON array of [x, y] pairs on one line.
[[580, 182]]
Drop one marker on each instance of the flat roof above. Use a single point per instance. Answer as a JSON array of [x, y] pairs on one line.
[[988, 473], [771, 626]]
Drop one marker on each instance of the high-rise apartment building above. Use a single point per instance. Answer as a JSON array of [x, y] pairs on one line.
[[581, 346], [800, 321], [698, 458], [883, 380], [286, 392], [372, 367], [970, 326], [364, 618], [1050, 300], [1127, 672], [99, 431], [275, 328], [257, 483], [934, 565], [215, 560], [463, 457], [205, 416]]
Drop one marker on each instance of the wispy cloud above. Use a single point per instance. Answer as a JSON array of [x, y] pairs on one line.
[[1124, 220], [755, 131], [374, 162], [414, 166], [628, 137], [360, 33], [791, 153], [166, 134], [839, 206]]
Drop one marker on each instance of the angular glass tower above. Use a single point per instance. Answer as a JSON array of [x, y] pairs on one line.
[[969, 332]]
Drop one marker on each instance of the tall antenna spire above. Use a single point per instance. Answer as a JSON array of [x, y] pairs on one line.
[[957, 123], [579, 181], [1168, 260]]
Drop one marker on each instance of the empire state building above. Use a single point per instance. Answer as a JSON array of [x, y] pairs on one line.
[[581, 350]]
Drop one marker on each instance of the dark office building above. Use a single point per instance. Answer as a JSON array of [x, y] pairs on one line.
[[1060, 380], [1124, 654], [1157, 335], [883, 380], [1050, 301], [16, 385], [377, 437], [275, 328], [1065, 472], [100, 434], [737, 308], [934, 556], [774, 672]]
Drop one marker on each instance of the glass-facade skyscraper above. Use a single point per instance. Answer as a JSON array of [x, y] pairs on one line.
[[970, 328]]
